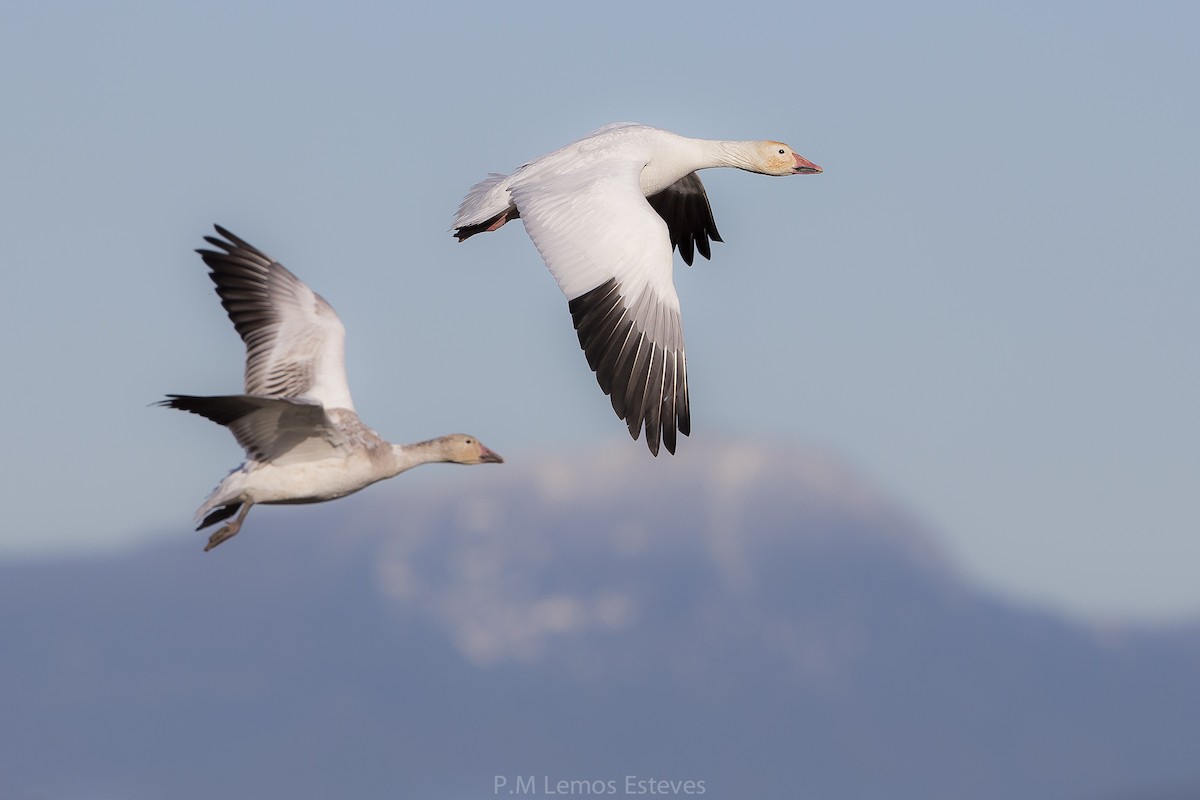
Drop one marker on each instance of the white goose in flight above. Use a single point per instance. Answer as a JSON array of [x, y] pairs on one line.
[[304, 442], [605, 213]]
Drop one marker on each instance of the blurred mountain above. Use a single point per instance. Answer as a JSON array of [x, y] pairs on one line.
[[753, 619]]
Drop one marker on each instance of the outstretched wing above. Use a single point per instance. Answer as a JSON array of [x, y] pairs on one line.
[[611, 255], [278, 430], [295, 343]]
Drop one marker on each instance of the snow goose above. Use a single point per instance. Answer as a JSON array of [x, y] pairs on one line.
[[605, 213], [304, 442]]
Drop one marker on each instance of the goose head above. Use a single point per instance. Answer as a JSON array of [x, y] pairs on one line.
[[462, 448], [777, 158]]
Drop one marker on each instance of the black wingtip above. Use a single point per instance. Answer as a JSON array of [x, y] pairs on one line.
[[229, 242], [229, 238], [684, 207], [646, 384]]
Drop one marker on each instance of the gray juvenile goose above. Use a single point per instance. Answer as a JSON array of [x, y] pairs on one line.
[[304, 442]]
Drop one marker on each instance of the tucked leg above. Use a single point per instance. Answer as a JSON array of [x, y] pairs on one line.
[[228, 531], [467, 231]]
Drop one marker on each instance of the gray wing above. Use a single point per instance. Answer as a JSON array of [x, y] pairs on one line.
[[684, 207], [295, 343], [278, 430]]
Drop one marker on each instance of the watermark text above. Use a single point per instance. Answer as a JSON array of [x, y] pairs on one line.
[[624, 786]]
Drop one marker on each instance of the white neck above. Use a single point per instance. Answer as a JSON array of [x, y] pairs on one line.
[[689, 155], [740, 155]]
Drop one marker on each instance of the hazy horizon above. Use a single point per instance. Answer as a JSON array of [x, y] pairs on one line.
[[784, 632]]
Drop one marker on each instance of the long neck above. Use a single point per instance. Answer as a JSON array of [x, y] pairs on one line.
[[688, 155], [729, 154], [407, 456]]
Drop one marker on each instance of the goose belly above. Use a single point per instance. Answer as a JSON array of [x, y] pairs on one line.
[[309, 482]]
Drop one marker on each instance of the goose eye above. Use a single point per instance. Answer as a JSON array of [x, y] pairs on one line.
[[781, 151]]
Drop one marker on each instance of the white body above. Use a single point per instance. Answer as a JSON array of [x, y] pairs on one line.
[[585, 207]]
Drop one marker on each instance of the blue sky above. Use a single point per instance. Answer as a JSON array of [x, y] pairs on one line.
[[987, 305]]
